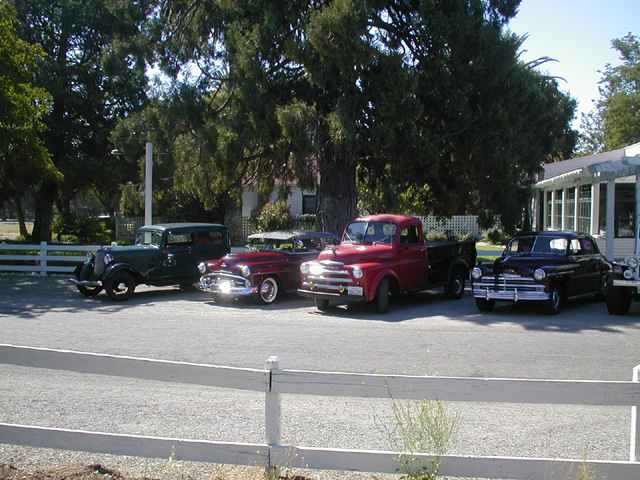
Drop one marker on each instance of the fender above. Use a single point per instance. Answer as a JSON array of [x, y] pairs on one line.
[[458, 263], [114, 269], [373, 286], [84, 271]]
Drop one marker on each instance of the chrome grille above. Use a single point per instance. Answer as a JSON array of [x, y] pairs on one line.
[[98, 268], [509, 287]]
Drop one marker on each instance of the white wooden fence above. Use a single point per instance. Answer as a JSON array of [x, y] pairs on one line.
[[38, 258], [273, 382]]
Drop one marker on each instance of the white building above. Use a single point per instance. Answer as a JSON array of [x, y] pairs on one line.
[[598, 194]]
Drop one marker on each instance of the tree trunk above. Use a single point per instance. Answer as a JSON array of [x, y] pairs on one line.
[[233, 220], [337, 194], [20, 214], [43, 200]]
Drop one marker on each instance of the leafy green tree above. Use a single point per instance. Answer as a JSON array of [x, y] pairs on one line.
[[24, 159], [614, 123], [620, 95], [93, 79]]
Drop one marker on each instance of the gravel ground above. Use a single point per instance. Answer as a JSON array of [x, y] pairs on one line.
[[583, 342]]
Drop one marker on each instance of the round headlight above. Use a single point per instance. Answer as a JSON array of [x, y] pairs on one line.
[[304, 268], [357, 272], [108, 258], [202, 267], [632, 263], [539, 274], [245, 271], [476, 273]]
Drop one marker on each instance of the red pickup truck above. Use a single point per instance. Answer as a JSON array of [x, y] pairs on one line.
[[382, 254]]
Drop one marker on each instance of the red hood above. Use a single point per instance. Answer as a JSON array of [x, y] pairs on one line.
[[358, 253], [251, 257]]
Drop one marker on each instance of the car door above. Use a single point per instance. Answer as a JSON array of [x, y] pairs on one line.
[[177, 263], [587, 273], [412, 254]]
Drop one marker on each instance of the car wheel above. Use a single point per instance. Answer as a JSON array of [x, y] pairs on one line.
[[485, 305], [322, 304], [382, 296], [121, 286], [618, 299], [552, 305], [89, 291], [455, 289], [268, 290]]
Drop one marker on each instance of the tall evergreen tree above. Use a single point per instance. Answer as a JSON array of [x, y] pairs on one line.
[[413, 96]]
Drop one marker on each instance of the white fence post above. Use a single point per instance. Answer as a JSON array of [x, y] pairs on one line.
[[43, 259], [272, 415], [635, 423]]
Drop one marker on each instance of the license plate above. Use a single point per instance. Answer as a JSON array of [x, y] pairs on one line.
[[354, 290]]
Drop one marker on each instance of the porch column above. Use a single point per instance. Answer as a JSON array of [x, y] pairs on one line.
[[637, 227], [552, 225], [595, 209], [576, 208], [611, 204], [563, 218]]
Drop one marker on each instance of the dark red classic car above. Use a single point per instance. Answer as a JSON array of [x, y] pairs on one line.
[[545, 266], [270, 265]]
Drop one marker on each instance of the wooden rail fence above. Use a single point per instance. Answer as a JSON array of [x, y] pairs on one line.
[[39, 258], [274, 381]]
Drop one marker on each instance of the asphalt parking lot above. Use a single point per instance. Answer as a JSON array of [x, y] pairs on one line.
[[423, 333]]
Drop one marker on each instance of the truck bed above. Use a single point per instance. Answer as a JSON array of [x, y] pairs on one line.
[[440, 255]]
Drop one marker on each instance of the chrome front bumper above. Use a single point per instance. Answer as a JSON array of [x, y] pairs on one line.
[[226, 284], [86, 283], [626, 283]]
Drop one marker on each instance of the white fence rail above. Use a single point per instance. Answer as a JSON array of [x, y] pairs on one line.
[[273, 382], [39, 258]]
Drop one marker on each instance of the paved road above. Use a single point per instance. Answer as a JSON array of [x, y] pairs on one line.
[[422, 333]]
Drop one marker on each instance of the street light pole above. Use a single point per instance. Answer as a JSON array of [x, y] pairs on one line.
[[148, 187]]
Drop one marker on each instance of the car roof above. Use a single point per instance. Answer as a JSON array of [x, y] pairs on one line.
[[551, 233], [182, 226], [300, 234]]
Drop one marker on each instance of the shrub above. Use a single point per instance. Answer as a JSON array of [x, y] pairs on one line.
[[275, 216], [495, 236], [435, 236], [86, 229], [465, 237]]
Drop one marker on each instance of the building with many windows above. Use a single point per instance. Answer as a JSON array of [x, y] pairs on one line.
[[598, 194]]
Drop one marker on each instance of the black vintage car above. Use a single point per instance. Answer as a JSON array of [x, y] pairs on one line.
[[545, 266], [165, 254]]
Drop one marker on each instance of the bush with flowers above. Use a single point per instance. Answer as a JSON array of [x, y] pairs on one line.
[[275, 216]]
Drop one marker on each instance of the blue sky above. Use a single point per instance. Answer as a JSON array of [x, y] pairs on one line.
[[578, 34]]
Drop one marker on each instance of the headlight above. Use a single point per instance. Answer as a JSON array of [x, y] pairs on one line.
[[245, 271], [357, 272], [476, 273], [304, 268], [632, 263], [108, 259], [539, 274], [202, 268]]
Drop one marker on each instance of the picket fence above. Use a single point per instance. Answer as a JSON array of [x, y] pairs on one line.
[[39, 258], [274, 382]]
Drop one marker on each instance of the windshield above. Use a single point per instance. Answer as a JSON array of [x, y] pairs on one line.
[[370, 232], [148, 238], [544, 245]]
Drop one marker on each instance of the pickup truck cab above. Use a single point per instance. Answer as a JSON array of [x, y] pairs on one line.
[[382, 254]]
